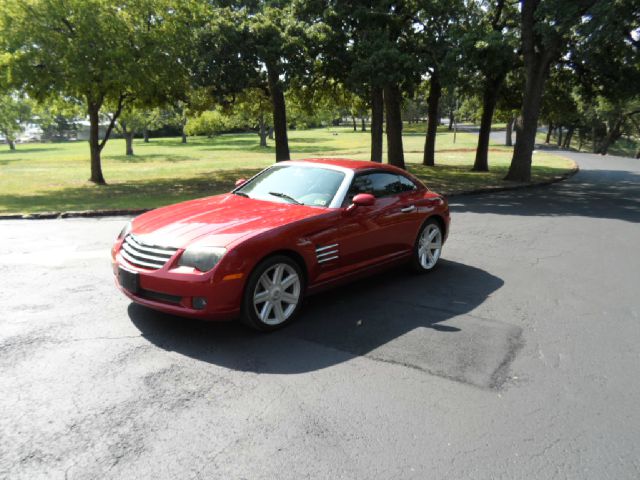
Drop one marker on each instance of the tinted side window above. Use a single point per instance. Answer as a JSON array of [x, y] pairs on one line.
[[407, 185], [380, 184]]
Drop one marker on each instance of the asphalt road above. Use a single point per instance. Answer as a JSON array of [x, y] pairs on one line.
[[518, 358]]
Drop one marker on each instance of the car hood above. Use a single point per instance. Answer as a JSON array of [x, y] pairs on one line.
[[216, 221]]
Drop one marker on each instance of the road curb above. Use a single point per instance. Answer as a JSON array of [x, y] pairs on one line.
[[136, 211], [74, 214], [558, 178]]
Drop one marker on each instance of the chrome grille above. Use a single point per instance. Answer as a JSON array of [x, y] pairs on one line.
[[142, 254], [327, 253]]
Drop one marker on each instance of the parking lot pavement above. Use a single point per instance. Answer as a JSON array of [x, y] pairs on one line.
[[517, 358]]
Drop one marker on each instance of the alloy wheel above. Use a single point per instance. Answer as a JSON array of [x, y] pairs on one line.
[[277, 294], [430, 246]]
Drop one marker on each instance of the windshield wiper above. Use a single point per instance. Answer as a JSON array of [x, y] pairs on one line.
[[242, 194], [286, 197]]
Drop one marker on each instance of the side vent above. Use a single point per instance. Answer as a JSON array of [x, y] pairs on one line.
[[327, 253]]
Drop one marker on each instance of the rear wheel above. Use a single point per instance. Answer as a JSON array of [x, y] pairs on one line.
[[428, 247], [273, 294]]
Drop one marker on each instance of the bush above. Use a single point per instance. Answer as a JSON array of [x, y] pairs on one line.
[[208, 123]]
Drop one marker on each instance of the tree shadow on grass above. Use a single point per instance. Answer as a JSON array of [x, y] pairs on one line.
[[20, 149], [297, 140], [8, 157], [451, 179], [294, 147], [394, 317], [152, 157]]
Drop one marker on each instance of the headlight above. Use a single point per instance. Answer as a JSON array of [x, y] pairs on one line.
[[201, 258], [125, 231]]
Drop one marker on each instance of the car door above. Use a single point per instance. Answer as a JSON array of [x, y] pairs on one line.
[[384, 230], [408, 214]]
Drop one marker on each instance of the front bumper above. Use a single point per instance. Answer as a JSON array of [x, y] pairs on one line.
[[174, 293]]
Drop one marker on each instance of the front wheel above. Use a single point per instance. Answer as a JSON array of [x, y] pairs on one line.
[[428, 246], [273, 294]]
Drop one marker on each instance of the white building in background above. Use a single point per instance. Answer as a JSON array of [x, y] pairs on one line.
[[83, 130], [33, 133]]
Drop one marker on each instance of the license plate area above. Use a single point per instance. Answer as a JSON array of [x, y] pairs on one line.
[[129, 280]]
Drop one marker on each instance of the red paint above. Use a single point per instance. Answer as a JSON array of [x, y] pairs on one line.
[[369, 237]]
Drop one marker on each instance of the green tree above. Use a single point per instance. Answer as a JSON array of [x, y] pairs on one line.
[[102, 53], [605, 58], [546, 27], [491, 50], [58, 118], [251, 109], [134, 120], [261, 45], [351, 49], [368, 47], [559, 106], [15, 112], [509, 102], [440, 24], [152, 119]]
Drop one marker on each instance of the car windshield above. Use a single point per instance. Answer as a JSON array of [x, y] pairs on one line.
[[294, 184]]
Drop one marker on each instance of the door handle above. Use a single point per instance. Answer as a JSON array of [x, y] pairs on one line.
[[408, 209]]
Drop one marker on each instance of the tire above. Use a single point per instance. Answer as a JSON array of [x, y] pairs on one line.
[[273, 295], [428, 247]]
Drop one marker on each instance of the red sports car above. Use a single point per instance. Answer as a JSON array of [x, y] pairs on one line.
[[295, 228]]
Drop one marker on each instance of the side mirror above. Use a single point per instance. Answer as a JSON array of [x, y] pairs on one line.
[[240, 182], [363, 200]]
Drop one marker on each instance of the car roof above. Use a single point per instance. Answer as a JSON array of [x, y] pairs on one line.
[[350, 164]]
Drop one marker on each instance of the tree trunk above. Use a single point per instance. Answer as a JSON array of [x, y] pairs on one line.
[[451, 119], [392, 104], [279, 114], [262, 131], [355, 124], [363, 125], [435, 90], [509, 133], [549, 132], [270, 134], [614, 134], [377, 116], [12, 144], [184, 132], [594, 138], [128, 137], [94, 145], [559, 136], [145, 134], [580, 138], [489, 99], [539, 51], [537, 59], [520, 168], [568, 137]]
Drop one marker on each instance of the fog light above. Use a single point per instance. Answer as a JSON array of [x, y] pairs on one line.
[[199, 303]]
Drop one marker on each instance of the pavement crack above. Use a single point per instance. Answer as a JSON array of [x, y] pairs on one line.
[[537, 260], [441, 310]]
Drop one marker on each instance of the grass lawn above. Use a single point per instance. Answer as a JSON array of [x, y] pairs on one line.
[[47, 177]]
